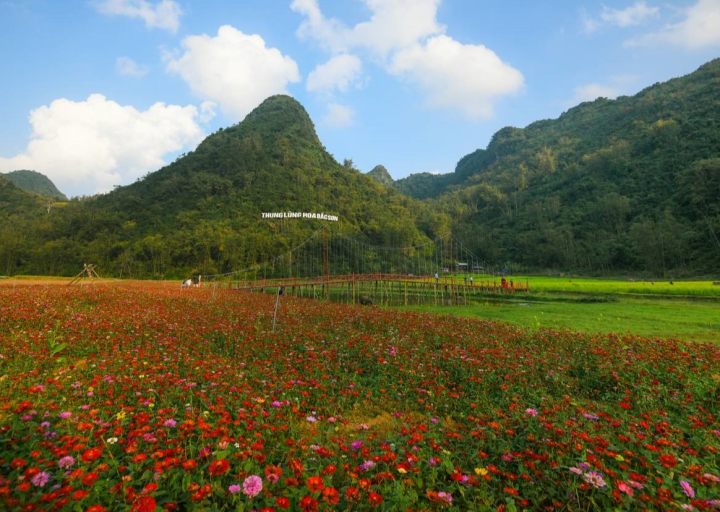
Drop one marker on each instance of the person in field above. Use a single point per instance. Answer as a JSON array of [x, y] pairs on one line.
[[186, 284]]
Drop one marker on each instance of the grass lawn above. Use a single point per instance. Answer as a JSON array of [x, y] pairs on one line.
[[584, 285], [663, 318]]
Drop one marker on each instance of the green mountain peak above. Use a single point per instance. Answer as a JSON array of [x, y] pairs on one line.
[[381, 175], [38, 183]]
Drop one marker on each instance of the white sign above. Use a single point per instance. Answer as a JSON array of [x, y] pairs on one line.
[[300, 215]]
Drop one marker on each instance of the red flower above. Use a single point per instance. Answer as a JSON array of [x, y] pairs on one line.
[[18, 463], [79, 495], [315, 484], [282, 503], [92, 454], [218, 467], [375, 499], [90, 479], [144, 504], [668, 461], [352, 494], [96, 508], [189, 465], [308, 504], [331, 495]]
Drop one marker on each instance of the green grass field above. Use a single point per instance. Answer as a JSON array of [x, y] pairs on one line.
[[687, 310], [584, 285]]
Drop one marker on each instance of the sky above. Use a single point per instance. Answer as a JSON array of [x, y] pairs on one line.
[[97, 93]]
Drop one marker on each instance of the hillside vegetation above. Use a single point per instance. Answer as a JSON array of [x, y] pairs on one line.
[[631, 184], [611, 186], [36, 182], [202, 214]]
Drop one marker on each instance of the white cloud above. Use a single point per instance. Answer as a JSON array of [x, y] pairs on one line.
[[341, 72], [207, 111], [128, 67], [89, 146], [633, 15], [591, 92], [394, 24], [235, 70], [699, 29], [405, 37], [628, 17], [164, 14], [339, 116], [458, 76]]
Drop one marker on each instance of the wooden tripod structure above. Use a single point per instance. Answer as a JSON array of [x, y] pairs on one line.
[[88, 272]]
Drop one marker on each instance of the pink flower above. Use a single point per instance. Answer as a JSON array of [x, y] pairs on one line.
[[65, 415], [687, 489], [252, 486], [234, 489], [40, 479], [530, 411], [594, 479], [623, 487], [446, 497], [66, 462]]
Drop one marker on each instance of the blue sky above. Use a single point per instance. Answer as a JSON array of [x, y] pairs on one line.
[[97, 93]]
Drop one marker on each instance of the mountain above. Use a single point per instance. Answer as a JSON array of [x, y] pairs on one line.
[[35, 182], [381, 175], [630, 184], [611, 186], [203, 212], [15, 201]]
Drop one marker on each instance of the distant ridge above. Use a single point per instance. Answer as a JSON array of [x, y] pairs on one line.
[[381, 175], [33, 181]]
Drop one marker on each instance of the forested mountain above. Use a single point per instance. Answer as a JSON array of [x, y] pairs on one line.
[[36, 182], [381, 175], [626, 185], [612, 185], [15, 201], [203, 212]]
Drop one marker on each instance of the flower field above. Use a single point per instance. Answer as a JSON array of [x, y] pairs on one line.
[[145, 397]]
